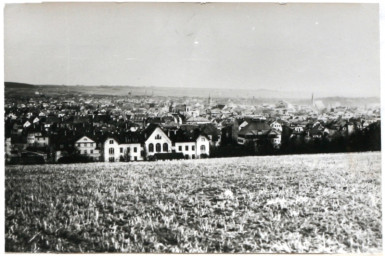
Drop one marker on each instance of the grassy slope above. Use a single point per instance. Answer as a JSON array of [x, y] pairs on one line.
[[310, 203]]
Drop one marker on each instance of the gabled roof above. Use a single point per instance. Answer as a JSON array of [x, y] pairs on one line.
[[253, 127]]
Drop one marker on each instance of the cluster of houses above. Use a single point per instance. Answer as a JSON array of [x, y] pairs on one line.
[[113, 129]]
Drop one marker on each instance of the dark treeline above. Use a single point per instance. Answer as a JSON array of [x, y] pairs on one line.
[[359, 141]]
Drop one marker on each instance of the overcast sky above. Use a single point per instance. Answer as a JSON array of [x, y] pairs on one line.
[[330, 49]]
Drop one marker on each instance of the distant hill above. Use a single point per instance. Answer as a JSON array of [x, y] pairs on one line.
[[17, 85]]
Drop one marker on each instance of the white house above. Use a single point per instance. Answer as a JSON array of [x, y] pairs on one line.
[[157, 142], [202, 146], [87, 147], [276, 126], [35, 120], [116, 152], [194, 148], [188, 149], [26, 124], [298, 129]]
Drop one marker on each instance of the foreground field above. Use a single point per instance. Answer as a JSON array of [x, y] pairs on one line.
[[309, 203]]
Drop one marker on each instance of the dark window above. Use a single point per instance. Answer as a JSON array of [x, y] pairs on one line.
[[193, 148], [165, 147], [111, 150], [91, 151], [135, 149], [151, 147], [111, 141], [158, 147], [135, 158], [180, 148], [186, 147], [203, 148], [121, 150]]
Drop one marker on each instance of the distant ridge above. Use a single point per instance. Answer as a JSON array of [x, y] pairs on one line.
[[237, 93], [17, 85]]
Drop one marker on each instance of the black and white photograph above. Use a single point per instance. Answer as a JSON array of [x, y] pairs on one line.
[[196, 127]]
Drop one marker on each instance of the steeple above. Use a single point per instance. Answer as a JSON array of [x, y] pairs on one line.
[[312, 99]]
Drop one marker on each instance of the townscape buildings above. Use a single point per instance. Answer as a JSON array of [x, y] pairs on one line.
[[138, 128]]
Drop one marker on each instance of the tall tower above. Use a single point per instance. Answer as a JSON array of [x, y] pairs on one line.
[[312, 99]]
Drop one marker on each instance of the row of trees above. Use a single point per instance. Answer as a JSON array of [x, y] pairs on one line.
[[361, 140]]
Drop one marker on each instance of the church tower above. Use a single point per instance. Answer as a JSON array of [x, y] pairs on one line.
[[312, 100]]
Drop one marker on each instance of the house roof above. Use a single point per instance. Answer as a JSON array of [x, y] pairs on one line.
[[253, 127], [197, 119]]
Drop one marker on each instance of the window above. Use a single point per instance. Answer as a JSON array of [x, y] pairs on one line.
[[180, 148], [203, 139], [85, 152], [111, 150], [193, 156], [186, 148], [111, 159], [165, 147], [151, 147], [128, 150], [135, 158], [91, 144], [135, 149], [111, 141], [192, 148], [91, 151], [121, 150], [158, 147], [158, 137], [203, 148]]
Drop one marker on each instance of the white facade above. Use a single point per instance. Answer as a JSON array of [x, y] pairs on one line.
[[26, 124], [8, 146], [37, 140], [192, 150], [158, 142], [115, 152], [298, 129], [202, 146], [87, 147], [276, 126], [187, 148]]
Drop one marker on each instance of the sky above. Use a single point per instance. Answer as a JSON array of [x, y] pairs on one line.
[[329, 49]]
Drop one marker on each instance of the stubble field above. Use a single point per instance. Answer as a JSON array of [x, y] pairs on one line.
[[309, 203]]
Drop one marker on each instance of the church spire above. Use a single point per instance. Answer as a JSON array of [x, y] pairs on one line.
[[312, 99]]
